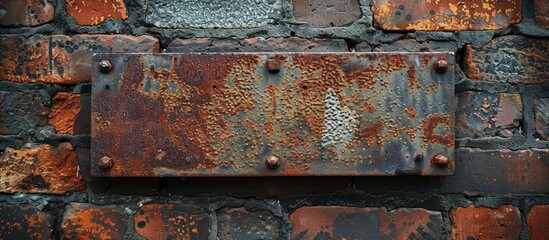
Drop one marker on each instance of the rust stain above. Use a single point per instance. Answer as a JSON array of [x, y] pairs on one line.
[[371, 133], [430, 125]]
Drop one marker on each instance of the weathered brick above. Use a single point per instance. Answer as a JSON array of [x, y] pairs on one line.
[[485, 223], [542, 13], [337, 222], [291, 44], [509, 59], [238, 223], [170, 221], [65, 108], [410, 45], [71, 55], [21, 111], [62, 59], [86, 221], [327, 13], [24, 222], [23, 59], [538, 222], [451, 15], [541, 117], [25, 12], [483, 114], [94, 12], [40, 168], [212, 14]]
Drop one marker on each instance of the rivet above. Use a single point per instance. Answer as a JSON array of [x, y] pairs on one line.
[[105, 66], [440, 160], [105, 163], [441, 66], [272, 162], [273, 64]]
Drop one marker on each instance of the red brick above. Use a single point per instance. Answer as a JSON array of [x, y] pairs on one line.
[[483, 114], [94, 12], [337, 222], [29, 59], [291, 44], [542, 13], [485, 223], [451, 15], [541, 117], [23, 59], [327, 13], [65, 107], [538, 222], [510, 59], [238, 223], [170, 221], [85, 221], [18, 13], [40, 168], [24, 222]]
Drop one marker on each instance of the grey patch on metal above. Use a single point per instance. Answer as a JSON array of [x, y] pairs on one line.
[[212, 14]]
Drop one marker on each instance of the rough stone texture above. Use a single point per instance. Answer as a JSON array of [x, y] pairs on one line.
[[24, 222], [509, 59], [71, 55], [485, 223], [22, 111], [212, 14], [24, 59], [542, 13], [541, 117], [40, 168], [18, 13], [336, 222], [451, 15], [483, 114], [538, 222], [65, 108], [327, 13], [410, 45], [170, 221], [94, 12], [85, 221], [238, 223], [291, 44], [62, 59]]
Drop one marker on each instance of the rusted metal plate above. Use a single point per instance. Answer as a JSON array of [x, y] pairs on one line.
[[273, 114]]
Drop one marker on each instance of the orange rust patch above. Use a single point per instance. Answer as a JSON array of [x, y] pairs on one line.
[[429, 126], [371, 133], [65, 108], [41, 168], [94, 12], [84, 221], [450, 15]]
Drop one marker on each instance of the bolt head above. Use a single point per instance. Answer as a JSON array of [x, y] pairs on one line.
[[441, 66], [273, 64], [105, 66], [440, 160], [272, 162], [105, 163]]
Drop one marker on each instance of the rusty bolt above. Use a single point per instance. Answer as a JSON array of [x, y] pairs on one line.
[[441, 66], [272, 162], [273, 64], [105, 163], [105, 66], [440, 160]]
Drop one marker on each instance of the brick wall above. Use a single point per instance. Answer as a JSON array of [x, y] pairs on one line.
[[500, 188]]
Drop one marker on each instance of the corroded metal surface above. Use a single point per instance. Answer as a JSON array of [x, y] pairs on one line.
[[226, 114], [450, 15]]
